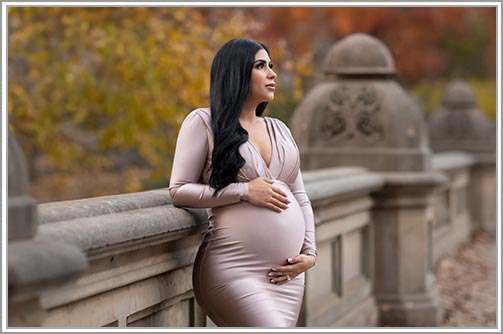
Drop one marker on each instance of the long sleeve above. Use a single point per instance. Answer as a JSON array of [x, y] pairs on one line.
[[191, 153], [307, 211]]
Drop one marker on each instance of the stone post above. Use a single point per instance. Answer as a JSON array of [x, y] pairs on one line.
[[460, 126], [33, 265], [360, 116]]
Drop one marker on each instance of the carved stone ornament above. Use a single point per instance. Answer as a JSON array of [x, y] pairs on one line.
[[351, 114]]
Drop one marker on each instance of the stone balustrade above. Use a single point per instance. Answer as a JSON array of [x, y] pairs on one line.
[[452, 224], [339, 288], [140, 250], [459, 125]]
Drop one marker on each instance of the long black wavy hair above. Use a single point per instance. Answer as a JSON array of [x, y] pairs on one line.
[[230, 86]]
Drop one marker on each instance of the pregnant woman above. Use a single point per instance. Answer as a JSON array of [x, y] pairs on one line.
[[249, 270]]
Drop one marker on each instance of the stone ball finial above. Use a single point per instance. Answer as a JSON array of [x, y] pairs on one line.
[[359, 54], [22, 208], [361, 116], [459, 95], [460, 125]]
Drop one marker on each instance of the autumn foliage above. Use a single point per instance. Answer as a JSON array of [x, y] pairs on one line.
[[106, 89]]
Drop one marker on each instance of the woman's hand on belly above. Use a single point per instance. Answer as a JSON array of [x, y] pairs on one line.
[[297, 265], [262, 192]]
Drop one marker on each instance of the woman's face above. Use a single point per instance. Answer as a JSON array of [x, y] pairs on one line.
[[262, 78]]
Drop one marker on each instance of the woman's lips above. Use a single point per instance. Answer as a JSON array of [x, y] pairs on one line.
[[271, 87]]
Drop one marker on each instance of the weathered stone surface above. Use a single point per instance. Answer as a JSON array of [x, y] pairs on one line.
[[116, 233], [482, 195], [450, 160], [359, 54], [141, 302], [360, 116], [33, 266], [341, 282], [119, 270], [329, 184], [103, 205], [460, 125], [452, 222], [403, 220], [38, 263], [22, 213]]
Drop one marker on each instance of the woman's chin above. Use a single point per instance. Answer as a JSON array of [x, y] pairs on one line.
[[269, 98]]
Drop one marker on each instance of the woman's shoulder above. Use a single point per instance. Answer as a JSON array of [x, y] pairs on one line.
[[202, 112], [201, 115], [279, 123]]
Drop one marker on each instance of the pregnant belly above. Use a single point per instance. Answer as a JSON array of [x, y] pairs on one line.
[[260, 234]]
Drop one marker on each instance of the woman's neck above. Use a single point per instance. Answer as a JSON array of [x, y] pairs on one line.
[[247, 115]]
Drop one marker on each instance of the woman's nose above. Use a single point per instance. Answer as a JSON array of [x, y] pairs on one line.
[[272, 74]]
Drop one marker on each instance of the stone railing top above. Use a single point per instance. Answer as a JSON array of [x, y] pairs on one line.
[[104, 225], [118, 232], [446, 161], [329, 173], [333, 183], [414, 179], [108, 225], [103, 205]]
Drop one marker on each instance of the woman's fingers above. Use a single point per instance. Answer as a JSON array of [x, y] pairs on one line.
[[279, 191], [273, 207], [276, 205], [262, 193], [279, 204], [281, 279], [273, 274], [281, 198]]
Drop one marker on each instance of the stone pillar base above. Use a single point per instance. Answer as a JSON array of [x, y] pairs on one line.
[[363, 315], [26, 313], [414, 310]]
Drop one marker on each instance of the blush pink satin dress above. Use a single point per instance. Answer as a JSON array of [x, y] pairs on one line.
[[244, 241]]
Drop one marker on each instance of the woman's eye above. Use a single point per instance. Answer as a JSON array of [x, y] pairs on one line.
[[260, 65], [271, 66]]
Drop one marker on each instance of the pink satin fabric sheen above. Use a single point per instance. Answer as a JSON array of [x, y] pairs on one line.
[[244, 241]]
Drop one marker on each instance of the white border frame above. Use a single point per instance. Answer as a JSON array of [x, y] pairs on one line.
[[5, 329]]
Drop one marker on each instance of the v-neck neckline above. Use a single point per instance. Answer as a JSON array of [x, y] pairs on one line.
[[270, 140]]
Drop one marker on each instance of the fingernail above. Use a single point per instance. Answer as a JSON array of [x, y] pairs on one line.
[[290, 260], [270, 274], [273, 269], [271, 281]]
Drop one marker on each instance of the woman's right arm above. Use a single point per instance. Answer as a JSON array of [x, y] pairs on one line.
[[185, 185]]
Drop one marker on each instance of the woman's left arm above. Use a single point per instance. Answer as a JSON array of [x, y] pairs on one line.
[[309, 246]]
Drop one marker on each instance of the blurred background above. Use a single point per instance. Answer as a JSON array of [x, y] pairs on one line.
[[96, 95]]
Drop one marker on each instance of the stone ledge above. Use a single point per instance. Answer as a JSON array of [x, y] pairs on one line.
[[116, 233], [338, 183], [452, 160], [414, 179], [34, 263], [329, 173], [103, 205]]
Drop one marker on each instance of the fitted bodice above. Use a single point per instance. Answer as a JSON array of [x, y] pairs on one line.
[[285, 160]]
